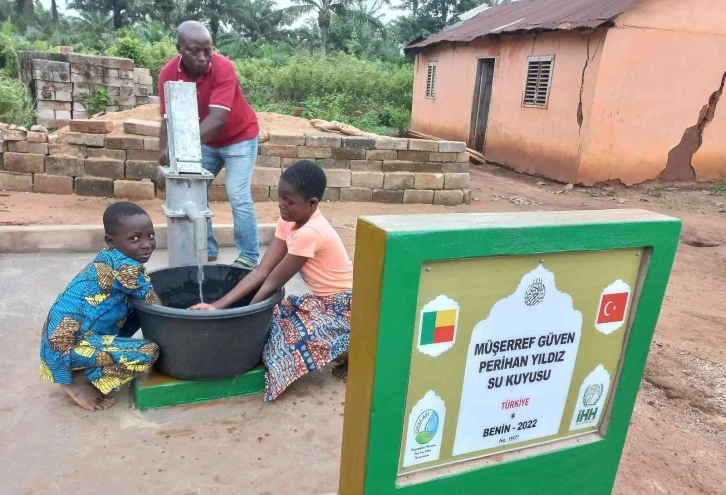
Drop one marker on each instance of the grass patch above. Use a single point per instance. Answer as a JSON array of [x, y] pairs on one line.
[[719, 189]]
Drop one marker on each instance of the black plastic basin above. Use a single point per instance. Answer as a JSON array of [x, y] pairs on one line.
[[205, 345]]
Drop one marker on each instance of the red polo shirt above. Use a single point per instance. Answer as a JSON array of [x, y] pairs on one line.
[[217, 87]]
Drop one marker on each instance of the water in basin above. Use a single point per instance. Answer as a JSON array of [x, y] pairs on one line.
[[205, 345]]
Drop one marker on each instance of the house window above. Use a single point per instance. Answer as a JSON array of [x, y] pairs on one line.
[[431, 80], [539, 77]]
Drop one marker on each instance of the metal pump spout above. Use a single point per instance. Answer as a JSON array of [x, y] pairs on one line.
[[199, 222]]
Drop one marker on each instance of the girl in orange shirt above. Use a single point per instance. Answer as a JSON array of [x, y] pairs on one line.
[[311, 330]]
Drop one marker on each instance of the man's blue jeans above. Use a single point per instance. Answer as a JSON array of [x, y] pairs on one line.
[[239, 160]]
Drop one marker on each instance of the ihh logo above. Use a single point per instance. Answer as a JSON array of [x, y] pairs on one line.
[[587, 415]]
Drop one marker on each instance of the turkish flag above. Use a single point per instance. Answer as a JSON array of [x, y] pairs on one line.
[[612, 307]]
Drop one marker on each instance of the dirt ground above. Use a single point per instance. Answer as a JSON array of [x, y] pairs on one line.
[[677, 440]]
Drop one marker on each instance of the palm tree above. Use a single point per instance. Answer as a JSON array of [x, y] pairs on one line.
[[261, 19], [216, 13], [164, 9], [54, 11], [324, 8], [360, 30], [95, 24], [306, 36], [118, 8], [26, 10]]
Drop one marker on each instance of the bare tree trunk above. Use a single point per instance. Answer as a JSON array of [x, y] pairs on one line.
[[214, 28], [165, 7], [324, 38], [324, 24], [118, 20], [54, 11], [26, 10]]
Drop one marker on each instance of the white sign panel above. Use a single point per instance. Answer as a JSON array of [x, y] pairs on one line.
[[425, 430], [519, 367]]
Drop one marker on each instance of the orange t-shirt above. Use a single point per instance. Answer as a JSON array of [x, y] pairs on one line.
[[328, 269]]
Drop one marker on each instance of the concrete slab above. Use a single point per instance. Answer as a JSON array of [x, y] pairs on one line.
[[89, 238], [237, 446]]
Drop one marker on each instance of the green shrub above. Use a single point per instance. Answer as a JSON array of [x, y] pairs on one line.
[[395, 117], [94, 102], [152, 56], [8, 50], [15, 104], [155, 55], [372, 95], [127, 48]]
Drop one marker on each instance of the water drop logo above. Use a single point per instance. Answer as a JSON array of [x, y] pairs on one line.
[[427, 424], [424, 430]]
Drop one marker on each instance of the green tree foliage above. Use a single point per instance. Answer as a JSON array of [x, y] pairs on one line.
[[15, 104], [361, 32], [325, 9], [25, 12], [121, 11], [342, 62], [426, 17], [217, 14], [6, 10], [263, 20], [372, 95]]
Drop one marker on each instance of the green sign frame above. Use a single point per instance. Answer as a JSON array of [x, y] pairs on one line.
[[391, 251]]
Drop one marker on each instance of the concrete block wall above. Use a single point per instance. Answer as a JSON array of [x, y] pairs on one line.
[[378, 169], [58, 81], [88, 161], [95, 160]]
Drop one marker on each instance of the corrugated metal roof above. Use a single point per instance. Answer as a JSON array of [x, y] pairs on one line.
[[528, 15]]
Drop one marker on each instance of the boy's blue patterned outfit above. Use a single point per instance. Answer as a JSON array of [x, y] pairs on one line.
[[90, 325]]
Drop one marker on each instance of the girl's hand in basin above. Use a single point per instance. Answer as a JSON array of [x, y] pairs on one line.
[[202, 307]]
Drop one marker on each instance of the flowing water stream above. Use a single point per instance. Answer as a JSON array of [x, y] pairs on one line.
[[201, 259]]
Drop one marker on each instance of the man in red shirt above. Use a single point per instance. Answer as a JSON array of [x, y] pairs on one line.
[[228, 128]]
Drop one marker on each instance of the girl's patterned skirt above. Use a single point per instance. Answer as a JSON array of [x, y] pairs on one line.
[[307, 333]]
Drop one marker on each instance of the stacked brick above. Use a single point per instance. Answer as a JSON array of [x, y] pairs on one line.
[[25, 63], [22, 156], [91, 161], [144, 87], [114, 74], [378, 169], [96, 160], [53, 91], [106, 163], [59, 81]]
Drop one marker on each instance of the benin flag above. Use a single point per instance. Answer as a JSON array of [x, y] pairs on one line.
[[438, 326]]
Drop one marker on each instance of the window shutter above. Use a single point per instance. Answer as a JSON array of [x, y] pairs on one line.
[[537, 84], [431, 80]]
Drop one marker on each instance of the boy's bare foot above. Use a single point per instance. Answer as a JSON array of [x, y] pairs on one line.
[[86, 395], [341, 370]]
